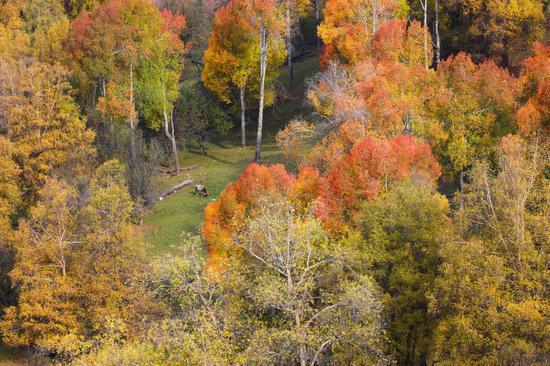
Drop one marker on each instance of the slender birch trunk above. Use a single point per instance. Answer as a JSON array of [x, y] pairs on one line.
[[132, 117], [289, 46], [437, 38], [263, 68], [424, 4], [243, 117], [169, 130]]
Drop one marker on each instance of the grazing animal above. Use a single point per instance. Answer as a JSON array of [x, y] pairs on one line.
[[200, 190]]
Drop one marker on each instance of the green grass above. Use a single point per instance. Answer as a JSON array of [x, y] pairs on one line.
[[183, 211]]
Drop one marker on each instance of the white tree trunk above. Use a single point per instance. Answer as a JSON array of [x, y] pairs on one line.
[[243, 117], [169, 130], [289, 46], [437, 38], [263, 68], [424, 4], [131, 117]]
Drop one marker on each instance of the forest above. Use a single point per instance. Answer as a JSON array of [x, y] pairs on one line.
[[274, 182]]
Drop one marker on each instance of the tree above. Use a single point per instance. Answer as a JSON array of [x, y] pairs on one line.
[[225, 217], [476, 107], [293, 11], [288, 260], [199, 114], [372, 167], [349, 26], [113, 50], [498, 29], [403, 231], [490, 298], [74, 266], [46, 314], [160, 79], [111, 256], [534, 114], [231, 57], [46, 128], [10, 201], [267, 15]]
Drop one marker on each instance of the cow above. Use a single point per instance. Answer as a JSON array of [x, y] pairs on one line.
[[200, 190]]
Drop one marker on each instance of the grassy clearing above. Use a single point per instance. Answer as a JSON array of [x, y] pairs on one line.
[[183, 211]]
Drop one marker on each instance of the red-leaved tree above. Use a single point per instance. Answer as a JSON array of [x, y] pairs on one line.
[[371, 167]]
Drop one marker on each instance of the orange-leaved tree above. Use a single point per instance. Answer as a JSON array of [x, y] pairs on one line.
[[349, 26], [232, 56], [227, 215], [534, 115], [372, 166]]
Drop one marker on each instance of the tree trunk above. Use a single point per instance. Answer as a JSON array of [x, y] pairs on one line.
[[243, 117], [169, 130], [317, 21], [289, 47], [263, 67], [437, 39], [132, 120], [424, 4], [374, 18]]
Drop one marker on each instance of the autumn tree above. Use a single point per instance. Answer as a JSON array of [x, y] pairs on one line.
[[74, 266], [288, 260], [476, 107], [116, 50], [501, 30], [490, 298], [44, 123], [226, 216], [534, 114], [372, 167], [403, 231], [110, 254], [160, 76], [349, 26], [198, 326], [46, 314], [232, 57], [10, 201]]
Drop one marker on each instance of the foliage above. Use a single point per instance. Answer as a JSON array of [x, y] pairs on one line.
[[403, 232], [534, 114], [477, 106], [490, 297], [371, 167], [80, 269], [498, 29], [233, 55], [349, 26], [226, 216], [288, 260], [44, 124], [198, 115]]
